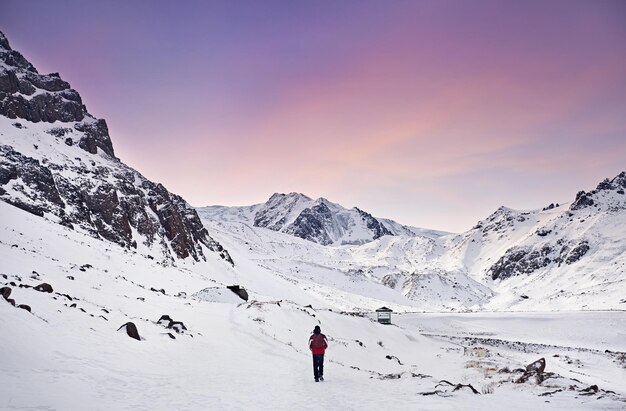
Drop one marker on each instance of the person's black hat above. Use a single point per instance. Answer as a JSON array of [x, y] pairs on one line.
[[317, 329]]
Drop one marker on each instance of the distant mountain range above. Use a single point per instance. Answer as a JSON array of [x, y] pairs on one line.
[[319, 221]]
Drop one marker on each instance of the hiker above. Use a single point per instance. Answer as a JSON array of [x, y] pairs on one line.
[[317, 345]]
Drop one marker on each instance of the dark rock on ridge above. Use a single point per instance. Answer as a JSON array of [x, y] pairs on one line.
[[526, 260]]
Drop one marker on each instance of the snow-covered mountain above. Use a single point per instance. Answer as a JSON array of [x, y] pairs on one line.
[[319, 221], [568, 256], [57, 161]]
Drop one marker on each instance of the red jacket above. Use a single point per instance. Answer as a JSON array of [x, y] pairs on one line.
[[318, 343]]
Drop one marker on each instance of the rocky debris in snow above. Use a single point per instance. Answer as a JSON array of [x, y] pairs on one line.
[[447, 386], [11, 301], [241, 292], [535, 372], [70, 277], [162, 290], [591, 390], [44, 288], [170, 324], [542, 232], [130, 329], [172, 336], [393, 357]]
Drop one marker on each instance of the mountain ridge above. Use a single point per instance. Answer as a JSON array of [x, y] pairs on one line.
[[317, 220]]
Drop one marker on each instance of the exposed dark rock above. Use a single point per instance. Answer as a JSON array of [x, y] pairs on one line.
[[538, 366], [534, 372], [520, 260], [131, 330], [456, 387], [311, 224], [11, 301], [591, 390], [177, 326], [583, 199], [526, 260], [393, 357], [44, 288], [162, 290], [171, 336], [24, 307], [241, 292], [374, 225], [96, 135], [165, 320], [5, 292], [70, 277], [543, 232]]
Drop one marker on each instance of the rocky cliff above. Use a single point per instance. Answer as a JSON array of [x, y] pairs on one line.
[[57, 161]]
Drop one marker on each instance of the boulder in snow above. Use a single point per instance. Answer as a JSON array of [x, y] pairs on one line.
[[44, 288], [165, 320], [5, 292], [241, 292], [130, 329], [538, 366]]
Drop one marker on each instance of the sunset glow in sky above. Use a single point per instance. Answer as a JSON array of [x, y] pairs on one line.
[[432, 113]]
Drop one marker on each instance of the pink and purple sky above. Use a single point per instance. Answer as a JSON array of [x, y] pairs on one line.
[[432, 113]]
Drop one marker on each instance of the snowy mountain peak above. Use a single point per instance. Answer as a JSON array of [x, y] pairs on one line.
[[609, 194], [320, 220]]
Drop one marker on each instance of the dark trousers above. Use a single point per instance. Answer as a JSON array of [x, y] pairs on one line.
[[318, 365]]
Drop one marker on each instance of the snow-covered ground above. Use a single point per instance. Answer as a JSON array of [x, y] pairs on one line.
[[253, 355]]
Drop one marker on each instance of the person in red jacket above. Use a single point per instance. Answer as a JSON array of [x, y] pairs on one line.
[[318, 345]]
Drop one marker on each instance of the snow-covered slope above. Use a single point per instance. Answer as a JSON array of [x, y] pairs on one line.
[[319, 221], [216, 351]]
